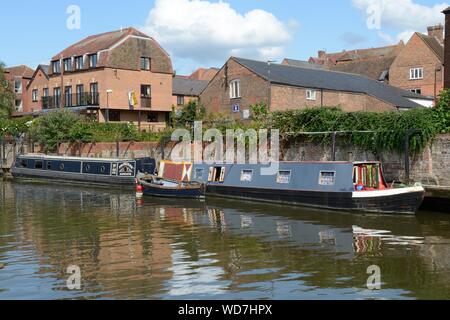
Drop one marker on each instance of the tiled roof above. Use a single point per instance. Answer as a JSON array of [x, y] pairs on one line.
[[352, 55], [99, 42], [21, 71], [373, 68], [204, 74], [331, 80], [301, 64], [188, 87], [434, 45]]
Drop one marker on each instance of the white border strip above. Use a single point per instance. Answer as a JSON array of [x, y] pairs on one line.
[[386, 193]]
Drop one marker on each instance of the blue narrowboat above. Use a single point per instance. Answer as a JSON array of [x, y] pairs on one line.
[[152, 185], [98, 171], [344, 186]]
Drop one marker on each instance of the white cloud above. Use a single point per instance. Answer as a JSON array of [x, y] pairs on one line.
[[405, 16], [209, 32]]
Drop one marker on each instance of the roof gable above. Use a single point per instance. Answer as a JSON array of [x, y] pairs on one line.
[[433, 44], [188, 87]]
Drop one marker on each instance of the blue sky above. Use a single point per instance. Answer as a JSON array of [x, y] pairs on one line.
[[204, 33]]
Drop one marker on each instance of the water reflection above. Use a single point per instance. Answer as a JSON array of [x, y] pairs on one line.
[[166, 249]]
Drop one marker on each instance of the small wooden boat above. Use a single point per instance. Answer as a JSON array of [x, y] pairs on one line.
[[151, 185]]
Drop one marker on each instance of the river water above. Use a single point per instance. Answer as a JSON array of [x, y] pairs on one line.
[[218, 249]]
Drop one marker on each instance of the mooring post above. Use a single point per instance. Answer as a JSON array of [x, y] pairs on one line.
[[333, 147]]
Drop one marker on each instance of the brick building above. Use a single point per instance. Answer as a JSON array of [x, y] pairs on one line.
[[186, 89], [204, 74], [241, 83], [122, 75], [19, 77], [37, 90], [419, 67]]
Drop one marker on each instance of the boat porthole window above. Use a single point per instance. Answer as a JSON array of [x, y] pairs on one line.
[[247, 176], [49, 165], [198, 174], [38, 164], [24, 163], [284, 177], [87, 168], [61, 166], [327, 178], [102, 169]]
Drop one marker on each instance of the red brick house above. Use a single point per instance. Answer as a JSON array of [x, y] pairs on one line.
[[37, 89], [19, 77], [241, 83], [122, 75], [419, 67]]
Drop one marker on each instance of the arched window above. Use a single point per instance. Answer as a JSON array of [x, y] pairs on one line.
[[235, 89]]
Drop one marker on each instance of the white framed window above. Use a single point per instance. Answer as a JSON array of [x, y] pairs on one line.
[[327, 178], [18, 85], [56, 66], [79, 63], [311, 94], [67, 64], [284, 177], [198, 174], [18, 105], [235, 89], [93, 60], [145, 63], [34, 95], [246, 175], [418, 91], [416, 73]]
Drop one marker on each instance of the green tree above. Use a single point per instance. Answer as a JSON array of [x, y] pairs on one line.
[[190, 112], [6, 94], [54, 128]]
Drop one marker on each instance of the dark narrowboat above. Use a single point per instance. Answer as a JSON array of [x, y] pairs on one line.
[[98, 171], [344, 186]]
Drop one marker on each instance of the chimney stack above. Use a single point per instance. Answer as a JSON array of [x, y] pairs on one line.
[[321, 54], [447, 49], [437, 32]]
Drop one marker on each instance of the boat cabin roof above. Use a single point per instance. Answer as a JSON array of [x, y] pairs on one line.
[[48, 157]]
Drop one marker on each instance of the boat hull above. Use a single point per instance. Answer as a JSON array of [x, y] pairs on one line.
[[173, 193], [67, 177], [395, 201]]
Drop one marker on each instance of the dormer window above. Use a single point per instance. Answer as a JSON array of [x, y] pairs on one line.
[[67, 64], [79, 63], [145, 63], [235, 89], [93, 60], [56, 66]]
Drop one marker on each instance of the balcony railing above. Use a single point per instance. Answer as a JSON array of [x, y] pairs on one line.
[[146, 102], [83, 99]]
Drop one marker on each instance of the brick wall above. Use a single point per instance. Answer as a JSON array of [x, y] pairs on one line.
[[285, 97], [417, 54], [39, 82], [216, 97], [254, 89]]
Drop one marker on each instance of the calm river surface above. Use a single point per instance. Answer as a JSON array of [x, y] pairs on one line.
[[218, 249]]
